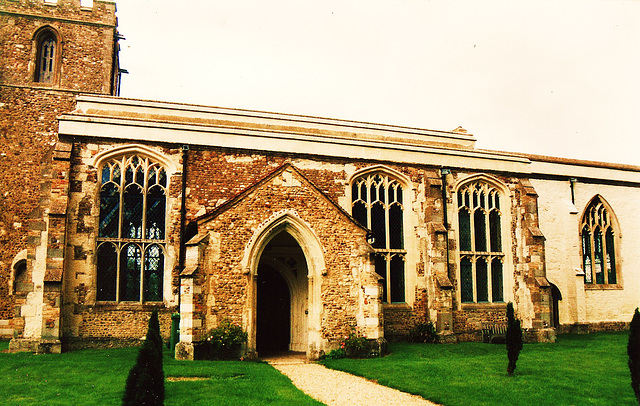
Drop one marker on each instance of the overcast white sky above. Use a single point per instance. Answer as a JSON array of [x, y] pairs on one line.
[[557, 78]]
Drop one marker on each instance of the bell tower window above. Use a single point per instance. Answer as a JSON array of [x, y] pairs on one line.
[[48, 53]]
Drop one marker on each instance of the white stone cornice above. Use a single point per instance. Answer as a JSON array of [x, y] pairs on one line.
[[80, 125]]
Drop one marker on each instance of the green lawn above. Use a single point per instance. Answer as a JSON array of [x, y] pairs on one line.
[[576, 370], [97, 377]]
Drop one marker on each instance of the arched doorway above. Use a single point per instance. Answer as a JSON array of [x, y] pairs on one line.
[[274, 311], [556, 297], [282, 297]]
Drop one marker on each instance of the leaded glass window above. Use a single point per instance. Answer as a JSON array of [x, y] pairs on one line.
[[598, 237], [377, 204], [131, 232], [480, 243]]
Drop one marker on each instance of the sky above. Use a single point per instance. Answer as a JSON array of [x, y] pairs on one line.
[[559, 78]]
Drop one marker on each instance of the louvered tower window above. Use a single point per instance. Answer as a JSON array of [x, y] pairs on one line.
[[46, 58], [131, 236], [377, 204], [480, 240], [598, 245]]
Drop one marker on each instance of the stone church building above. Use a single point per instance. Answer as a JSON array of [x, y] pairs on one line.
[[297, 228]]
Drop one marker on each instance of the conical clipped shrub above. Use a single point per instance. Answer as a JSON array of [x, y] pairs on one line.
[[513, 338], [633, 350], [145, 383]]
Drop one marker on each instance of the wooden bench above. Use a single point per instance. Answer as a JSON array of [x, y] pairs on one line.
[[494, 333]]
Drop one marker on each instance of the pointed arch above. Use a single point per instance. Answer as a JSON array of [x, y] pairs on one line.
[[134, 149], [378, 196], [287, 221], [18, 271], [47, 55], [600, 237], [132, 238], [402, 178], [482, 224]]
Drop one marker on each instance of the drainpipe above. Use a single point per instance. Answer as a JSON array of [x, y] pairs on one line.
[[443, 174], [572, 182], [183, 219]]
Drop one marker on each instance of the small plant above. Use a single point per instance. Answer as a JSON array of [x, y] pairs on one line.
[[424, 333], [513, 338], [633, 350], [336, 354], [225, 340], [356, 345], [145, 383]]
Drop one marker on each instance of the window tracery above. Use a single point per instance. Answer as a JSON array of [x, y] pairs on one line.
[[480, 242], [131, 234], [48, 53], [377, 203], [598, 236]]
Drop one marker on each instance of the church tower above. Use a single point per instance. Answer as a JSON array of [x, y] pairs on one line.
[[50, 52]]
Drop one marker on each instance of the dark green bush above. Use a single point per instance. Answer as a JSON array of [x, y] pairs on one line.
[[633, 350], [424, 333], [225, 341], [145, 383], [513, 338]]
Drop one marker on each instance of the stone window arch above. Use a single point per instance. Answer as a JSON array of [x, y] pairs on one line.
[[480, 205], [599, 236], [378, 203], [19, 278], [132, 228], [47, 56]]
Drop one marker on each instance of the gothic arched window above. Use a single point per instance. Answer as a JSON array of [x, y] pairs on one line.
[[47, 56], [480, 243], [131, 234], [376, 203], [598, 236]]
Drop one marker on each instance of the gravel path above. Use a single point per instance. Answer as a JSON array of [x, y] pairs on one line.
[[335, 388]]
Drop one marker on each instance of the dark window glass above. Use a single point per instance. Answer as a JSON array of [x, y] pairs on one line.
[[132, 209], [107, 272], [122, 214], [397, 279], [586, 256], [156, 213], [360, 212], [395, 227], [482, 287], [494, 231], [480, 230], [599, 257], [376, 202], [611, 258], [480, 239], [354, 192], [130, 261], [109, 211], [464, 222], [496, 281], [378, 225], [153, 269], [466, 280]]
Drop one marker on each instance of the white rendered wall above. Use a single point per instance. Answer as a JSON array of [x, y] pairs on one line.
[[559, 222]]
